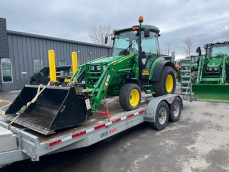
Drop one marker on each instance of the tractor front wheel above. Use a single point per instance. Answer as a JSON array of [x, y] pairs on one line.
[[130, 96], [166, 83]]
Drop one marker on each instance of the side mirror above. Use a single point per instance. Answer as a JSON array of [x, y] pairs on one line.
[[106, 38], [198, 50], [146, 33]]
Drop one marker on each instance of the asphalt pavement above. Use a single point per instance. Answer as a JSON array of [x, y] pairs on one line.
[[199, 141]]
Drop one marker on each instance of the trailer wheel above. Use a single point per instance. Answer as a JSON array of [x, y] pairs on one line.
[[175, 110], [162, 116], [166, 83], [130, 96]]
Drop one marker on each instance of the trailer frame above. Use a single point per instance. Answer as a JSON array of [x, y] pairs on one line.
[[30, 147]]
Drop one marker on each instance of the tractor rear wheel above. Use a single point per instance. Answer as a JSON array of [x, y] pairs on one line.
[[130, 96], [166, 83]]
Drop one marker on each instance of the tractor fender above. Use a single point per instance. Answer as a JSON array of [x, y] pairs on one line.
[[133, 80], [156, 69]]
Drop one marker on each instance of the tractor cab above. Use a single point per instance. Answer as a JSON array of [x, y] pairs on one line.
[[141, 40], [127, 41], [216, 57]]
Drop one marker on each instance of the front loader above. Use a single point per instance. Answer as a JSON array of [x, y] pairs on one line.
[[212, 83], [135, 66]]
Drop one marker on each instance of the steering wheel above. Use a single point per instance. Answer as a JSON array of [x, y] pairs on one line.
[[124, 52]]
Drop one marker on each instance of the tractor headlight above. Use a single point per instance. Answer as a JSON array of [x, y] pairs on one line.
[[215, 68], [210, 69]]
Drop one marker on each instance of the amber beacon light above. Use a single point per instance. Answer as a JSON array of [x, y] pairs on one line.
[[140, 19]]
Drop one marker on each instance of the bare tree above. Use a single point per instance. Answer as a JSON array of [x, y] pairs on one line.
[[98, 34], [188, 46]]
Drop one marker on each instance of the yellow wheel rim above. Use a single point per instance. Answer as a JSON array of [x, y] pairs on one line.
[[134, 97], [169, 83]]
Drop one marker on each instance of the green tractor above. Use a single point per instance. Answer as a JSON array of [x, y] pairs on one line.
[[135, 66], [213, 73]]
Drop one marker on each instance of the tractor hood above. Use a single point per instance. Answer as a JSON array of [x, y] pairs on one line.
[[106, 60], [215, 62]]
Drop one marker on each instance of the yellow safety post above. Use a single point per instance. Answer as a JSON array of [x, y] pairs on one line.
[[52, 65], [74, 62]]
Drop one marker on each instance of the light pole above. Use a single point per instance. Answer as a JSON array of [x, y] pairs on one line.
[[168, 47]]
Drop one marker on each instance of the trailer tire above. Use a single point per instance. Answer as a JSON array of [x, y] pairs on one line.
[[130, 96], [161, 116], [166, 83], [175, 110]]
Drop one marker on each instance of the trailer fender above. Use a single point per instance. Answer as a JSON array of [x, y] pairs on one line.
[[157, 69], [153, 104]]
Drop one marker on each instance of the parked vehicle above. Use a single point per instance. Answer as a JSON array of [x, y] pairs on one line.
[[42, 77]]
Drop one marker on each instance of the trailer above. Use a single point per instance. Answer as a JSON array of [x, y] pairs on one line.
[[18, 143]]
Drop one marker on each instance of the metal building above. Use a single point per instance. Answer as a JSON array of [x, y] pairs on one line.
[[23, 54]]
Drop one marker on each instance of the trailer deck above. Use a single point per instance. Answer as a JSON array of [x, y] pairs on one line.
[[33, 145]]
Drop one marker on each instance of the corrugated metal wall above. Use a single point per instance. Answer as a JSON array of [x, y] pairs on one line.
[[25, 48]]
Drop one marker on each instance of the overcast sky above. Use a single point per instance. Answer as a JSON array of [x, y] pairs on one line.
[[201, 20]]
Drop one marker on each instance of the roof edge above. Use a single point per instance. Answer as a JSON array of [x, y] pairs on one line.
[[53, 38]]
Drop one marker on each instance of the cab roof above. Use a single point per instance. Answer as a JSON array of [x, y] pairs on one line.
[[217, 43], [150, 27]]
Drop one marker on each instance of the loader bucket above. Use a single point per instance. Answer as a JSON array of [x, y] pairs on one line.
[[56, 108], [211, 92]]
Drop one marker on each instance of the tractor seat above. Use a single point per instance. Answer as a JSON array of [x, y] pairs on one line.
[[149, 61]]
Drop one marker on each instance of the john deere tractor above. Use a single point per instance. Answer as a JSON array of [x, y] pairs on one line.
[[135, 66], [213, 73]]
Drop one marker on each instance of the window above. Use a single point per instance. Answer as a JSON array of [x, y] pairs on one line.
[[37, 66], [62, 63], [6, 70]]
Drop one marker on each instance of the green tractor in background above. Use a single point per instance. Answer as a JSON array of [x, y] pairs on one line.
[[213, 73], [135, 66]]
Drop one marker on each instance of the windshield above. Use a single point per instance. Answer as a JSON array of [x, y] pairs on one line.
[[218, 50], [127, 43]]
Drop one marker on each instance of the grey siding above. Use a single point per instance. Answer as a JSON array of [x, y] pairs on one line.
[[25, 48]]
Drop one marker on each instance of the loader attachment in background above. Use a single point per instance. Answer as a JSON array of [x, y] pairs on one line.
[[211, 92], [56, 108]]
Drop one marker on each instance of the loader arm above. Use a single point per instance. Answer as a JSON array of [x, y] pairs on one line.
[[200, 68], [225, 57], [121, 66]]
